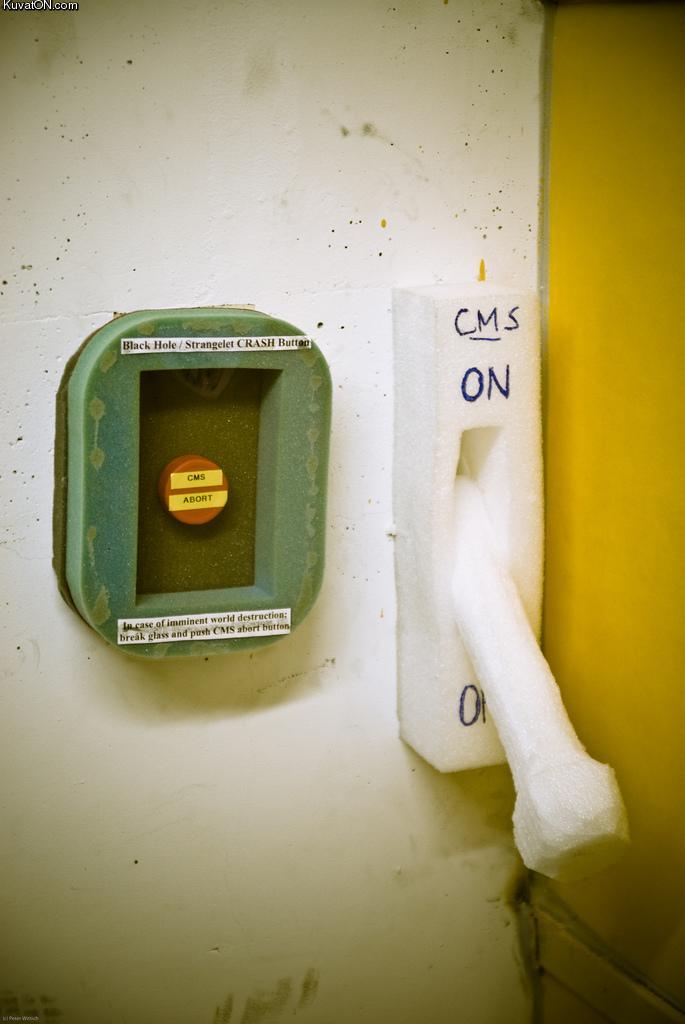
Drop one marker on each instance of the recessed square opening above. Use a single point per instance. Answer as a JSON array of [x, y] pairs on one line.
[[215, 412], [477, 448]]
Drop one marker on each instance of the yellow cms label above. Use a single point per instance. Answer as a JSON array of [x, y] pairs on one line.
[[197, 499], [196, 478]]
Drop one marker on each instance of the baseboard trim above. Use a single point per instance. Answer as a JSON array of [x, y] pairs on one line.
[[568, 951]]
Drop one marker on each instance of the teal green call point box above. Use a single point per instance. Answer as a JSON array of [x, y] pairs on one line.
[[191, 464]]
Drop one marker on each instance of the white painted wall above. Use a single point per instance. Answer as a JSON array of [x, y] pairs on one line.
[[176, 836]]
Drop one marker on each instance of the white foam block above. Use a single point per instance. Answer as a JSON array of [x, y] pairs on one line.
[[569, 819], [466, 393]]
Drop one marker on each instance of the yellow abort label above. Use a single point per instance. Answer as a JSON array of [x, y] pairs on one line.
[[197, 499], [196, 478]]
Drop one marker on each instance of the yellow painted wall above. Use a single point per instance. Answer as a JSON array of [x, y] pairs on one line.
[[615, 447]]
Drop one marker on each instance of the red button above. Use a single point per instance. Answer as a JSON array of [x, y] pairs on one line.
[[193, 489]]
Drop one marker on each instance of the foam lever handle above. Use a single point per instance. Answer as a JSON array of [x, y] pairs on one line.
[[569, 818]]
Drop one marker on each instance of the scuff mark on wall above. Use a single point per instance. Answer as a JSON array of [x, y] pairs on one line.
[[267, 1005], [310, 986], [261, 75], [224, 1012], [23, 1006]]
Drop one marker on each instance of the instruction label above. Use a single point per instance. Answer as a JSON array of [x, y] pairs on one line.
[[197, 499], [253, 343], [210, 626], [196, 478]]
